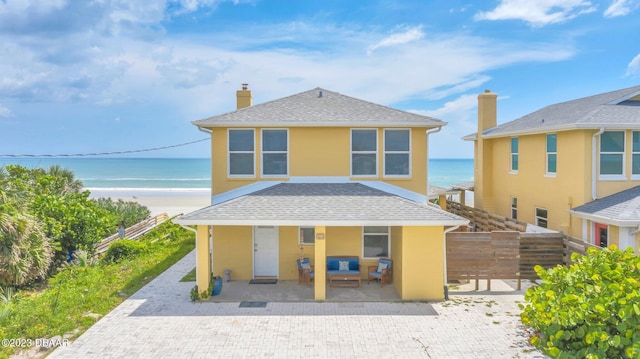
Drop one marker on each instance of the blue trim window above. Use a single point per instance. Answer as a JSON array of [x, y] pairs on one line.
[[514, 154]]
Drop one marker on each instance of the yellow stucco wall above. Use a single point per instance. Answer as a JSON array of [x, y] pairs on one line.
[[318, 151], [417, 254], [569, 188], [422, 263], [533, 187], [232, 249]]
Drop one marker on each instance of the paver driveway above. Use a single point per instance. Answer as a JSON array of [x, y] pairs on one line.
[[161, 321]]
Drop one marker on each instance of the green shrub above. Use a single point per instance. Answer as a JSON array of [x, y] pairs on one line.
[[588, 310], [122, 249], [128, 212]]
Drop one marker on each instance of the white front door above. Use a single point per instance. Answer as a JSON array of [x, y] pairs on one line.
[[265, 251]]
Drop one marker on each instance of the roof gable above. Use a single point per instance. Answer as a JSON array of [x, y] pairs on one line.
[[615, 109], [319, 107]]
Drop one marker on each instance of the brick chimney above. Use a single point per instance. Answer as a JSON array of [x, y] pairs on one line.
[[244, 97], [483, 151]]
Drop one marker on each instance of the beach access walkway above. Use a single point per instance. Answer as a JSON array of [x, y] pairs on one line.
[[161, 321]]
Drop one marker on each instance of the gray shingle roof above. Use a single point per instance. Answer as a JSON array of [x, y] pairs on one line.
[[310, 109], [621, 208], [608, 110], [335, 204]]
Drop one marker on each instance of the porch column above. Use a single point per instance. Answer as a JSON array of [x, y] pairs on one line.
[[463, 200], [202, 258], [320, 269]]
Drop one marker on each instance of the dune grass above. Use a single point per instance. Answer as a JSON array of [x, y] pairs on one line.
[[78, 296]]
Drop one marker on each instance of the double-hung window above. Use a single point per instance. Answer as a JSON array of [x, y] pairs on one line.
[[397, 153], [514, 154], [275, 152], [552, 154], [612, 154], [241, 151], [514, 207], [635, 156], [364, 152], [375, 242], [541, 217]]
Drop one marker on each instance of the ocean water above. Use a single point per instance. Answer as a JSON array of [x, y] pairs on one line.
[[129, 177]]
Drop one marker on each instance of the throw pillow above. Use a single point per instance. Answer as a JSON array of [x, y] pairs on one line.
[[305, 265], [382, 266], [343, 265]]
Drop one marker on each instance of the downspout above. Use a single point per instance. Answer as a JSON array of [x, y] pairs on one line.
[[426, 165], [446, 288], [594, 194], [636, 231]]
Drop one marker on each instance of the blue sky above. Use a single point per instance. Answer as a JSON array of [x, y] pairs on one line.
[[101, 76]]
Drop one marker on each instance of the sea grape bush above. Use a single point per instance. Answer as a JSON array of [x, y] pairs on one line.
[[123, 249], [588, 310]]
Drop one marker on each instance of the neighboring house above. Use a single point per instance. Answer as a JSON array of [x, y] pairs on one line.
[[572, 167], [318, 174]]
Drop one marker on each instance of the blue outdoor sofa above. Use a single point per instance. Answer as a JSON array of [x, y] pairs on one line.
[[343, 271]]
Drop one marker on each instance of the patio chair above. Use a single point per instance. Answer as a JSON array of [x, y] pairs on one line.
[[305, 271], [382, 272]]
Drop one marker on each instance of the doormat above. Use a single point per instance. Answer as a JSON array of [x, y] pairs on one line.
[[263, 281], [253, 304]]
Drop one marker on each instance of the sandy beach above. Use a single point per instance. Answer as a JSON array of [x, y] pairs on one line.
[[171, 202]]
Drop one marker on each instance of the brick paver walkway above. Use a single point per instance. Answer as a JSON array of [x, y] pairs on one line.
[[161, 321]]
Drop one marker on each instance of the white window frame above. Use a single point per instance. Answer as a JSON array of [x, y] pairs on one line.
[[634, 153], [263, 152], [538, 218], [352, 152], [229, 175], [388, 234], [514, 207], [613, 177], [512, 154], [385, 152], [300, 239], [547, 172]]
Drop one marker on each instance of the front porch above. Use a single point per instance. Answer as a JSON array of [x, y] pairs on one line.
[[263, 233], [291, 291]]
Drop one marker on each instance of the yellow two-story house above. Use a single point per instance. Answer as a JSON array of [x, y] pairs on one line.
[[573, 167], [320, 174]]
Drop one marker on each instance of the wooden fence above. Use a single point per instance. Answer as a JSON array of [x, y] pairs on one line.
[[507, 254], [132, 232]]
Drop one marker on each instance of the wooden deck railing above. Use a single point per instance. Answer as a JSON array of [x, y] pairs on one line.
[[133, 232]]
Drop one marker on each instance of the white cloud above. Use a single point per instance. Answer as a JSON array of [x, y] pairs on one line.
[[411, 35], [620, 8], [633, 69], [5, 112], [461, 104], [539, 12]]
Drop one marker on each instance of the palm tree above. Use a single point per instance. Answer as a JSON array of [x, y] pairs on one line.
[[25, 250], [67, 181]]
